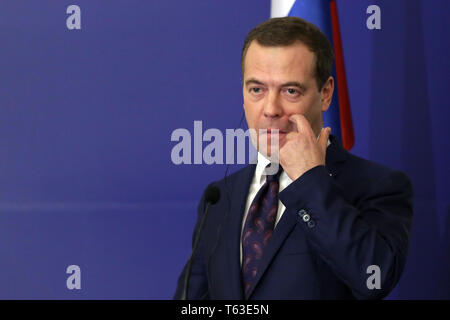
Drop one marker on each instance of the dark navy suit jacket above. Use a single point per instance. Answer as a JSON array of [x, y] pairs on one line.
[[360, 215]]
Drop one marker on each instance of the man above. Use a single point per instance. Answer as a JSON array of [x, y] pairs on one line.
[[328, 225]]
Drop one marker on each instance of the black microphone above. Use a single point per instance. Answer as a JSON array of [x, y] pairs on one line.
[[212, 195]]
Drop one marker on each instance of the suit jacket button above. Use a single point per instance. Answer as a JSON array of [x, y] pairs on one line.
[[302, 212], [311, 224], [306, 217]]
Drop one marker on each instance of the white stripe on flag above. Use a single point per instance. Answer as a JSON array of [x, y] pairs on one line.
[[280, 8]]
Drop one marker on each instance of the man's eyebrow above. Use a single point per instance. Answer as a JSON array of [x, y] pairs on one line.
[[286, 84], [253, 81], [294, 84]]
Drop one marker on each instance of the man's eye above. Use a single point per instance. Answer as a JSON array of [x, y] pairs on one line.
[[291, 91], [256, 90]]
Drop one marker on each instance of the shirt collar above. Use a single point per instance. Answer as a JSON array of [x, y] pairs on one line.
[[260, 166]]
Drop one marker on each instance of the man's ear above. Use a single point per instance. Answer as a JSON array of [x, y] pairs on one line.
[[327, 93]]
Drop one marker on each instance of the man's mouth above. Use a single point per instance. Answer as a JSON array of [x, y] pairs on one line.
[[274, 131]]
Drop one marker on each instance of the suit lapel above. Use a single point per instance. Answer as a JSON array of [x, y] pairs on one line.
[[240, 186], [280, 233], [335, 155]]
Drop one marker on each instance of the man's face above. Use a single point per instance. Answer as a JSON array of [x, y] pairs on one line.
[[277, 83]]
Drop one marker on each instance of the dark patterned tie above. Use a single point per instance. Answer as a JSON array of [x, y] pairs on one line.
[[258, 227]]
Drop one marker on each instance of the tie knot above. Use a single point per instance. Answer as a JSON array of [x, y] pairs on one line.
[[273, 177]]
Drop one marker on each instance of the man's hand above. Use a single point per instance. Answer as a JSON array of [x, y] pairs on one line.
[[302, 150]]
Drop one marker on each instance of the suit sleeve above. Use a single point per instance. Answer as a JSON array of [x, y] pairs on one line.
[[198, 282], [351, 237]]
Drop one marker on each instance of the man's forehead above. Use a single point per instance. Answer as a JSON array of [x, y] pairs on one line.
[[279, 61]]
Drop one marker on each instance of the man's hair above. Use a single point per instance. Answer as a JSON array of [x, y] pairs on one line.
[[288, 30]]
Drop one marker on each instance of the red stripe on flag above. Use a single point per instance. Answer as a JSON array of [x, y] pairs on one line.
[[348, 138]]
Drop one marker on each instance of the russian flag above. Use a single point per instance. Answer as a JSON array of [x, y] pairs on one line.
[[323, 13]]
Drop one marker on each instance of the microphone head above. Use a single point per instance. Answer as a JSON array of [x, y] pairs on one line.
[[212, 194]]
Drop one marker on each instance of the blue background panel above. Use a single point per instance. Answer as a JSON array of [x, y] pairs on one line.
[[86, 118]]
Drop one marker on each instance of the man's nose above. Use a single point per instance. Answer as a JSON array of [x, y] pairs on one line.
[[272, 108]]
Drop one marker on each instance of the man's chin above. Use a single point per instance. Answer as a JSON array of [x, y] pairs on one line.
[[269, 144], [270, 152]]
